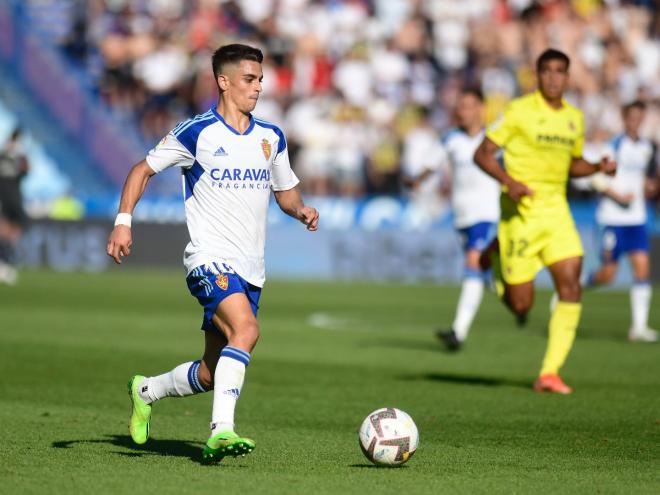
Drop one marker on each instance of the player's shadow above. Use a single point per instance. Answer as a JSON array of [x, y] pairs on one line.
[[588, 333], [393, 343], [177, 448], [481, 381]]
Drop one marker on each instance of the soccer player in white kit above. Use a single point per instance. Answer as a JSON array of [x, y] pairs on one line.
[[229, 161], [475, 204], [621, 214]]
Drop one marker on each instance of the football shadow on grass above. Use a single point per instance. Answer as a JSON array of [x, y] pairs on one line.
[[481, 381], [373, 466], [177, 448]]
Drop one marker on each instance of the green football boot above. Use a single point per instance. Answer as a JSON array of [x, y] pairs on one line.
[[226, 443], [140, 412]]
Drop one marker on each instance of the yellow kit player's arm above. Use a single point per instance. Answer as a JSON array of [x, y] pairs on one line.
[[579, 166], [582, 168], [484, 157], [497, 136]]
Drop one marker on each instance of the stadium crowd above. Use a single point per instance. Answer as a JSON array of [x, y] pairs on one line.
[[359, 85]]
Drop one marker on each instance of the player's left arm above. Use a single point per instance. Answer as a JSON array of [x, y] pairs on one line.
[[582, 168], [284, 184], [291, 203]]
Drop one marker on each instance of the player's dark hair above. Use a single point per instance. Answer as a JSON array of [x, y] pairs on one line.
[[638, 104], [552, 54], [233, 54], [476, 92]]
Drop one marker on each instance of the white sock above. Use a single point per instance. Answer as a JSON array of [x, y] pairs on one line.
[[468, 304], [229, 377], [179, 382], [640, 302]]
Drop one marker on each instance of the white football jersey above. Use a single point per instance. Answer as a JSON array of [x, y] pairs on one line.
[[422, 152], [227, 178], [633, 160], [475, 195]]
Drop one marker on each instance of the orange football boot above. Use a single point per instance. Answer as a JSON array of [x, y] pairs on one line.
[[551, 383]]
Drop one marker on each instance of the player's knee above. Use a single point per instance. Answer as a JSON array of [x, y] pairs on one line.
[[570, 292], [472, 260], [247, 334], [205, 377], [520, 306], [641, 274], [607, 276], [253, 332]]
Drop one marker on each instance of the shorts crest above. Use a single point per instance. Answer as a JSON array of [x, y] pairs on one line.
[[222, 281]]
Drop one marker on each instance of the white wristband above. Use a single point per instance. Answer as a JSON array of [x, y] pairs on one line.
[[123, 219], [599, 182]]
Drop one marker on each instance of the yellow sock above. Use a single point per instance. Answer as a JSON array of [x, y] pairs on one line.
[[561, 333]]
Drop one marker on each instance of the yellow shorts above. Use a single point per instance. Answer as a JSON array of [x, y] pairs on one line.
[[529, 244]]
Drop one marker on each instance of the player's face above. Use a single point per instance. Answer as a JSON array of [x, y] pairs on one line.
[[469, 111], [241, 84], [632, 120], [553, 79]]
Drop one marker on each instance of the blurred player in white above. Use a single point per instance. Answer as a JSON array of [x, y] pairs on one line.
[[621, 214], [475, 203], [230, 161], [423, 169]]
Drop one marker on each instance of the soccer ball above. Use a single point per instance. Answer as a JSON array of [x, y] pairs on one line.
[[388, 437]]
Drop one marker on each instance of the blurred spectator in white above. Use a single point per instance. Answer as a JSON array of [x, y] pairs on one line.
[[422, 171], [149, 60]]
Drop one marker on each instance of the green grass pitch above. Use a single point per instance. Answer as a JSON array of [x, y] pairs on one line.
[[330, 353]]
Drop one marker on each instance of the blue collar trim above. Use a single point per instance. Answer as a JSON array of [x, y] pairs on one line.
[[221, 119]]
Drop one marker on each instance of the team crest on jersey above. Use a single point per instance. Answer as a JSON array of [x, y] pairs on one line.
[[222, 281], [571, 125], [266, 148]]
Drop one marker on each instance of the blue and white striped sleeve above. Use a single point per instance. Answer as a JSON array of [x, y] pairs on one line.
[[282, 176], [170, 152]]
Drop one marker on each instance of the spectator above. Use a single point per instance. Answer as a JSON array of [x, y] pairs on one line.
[[342, 70]]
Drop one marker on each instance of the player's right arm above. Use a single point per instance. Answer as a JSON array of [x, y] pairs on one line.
[[497, 136], [414, 182], [485, 158], [119, 243], [170, 152], [602, 184], [415, 169], [623, 199]]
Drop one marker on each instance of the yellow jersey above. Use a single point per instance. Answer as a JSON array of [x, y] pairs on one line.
[[539, 144]]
